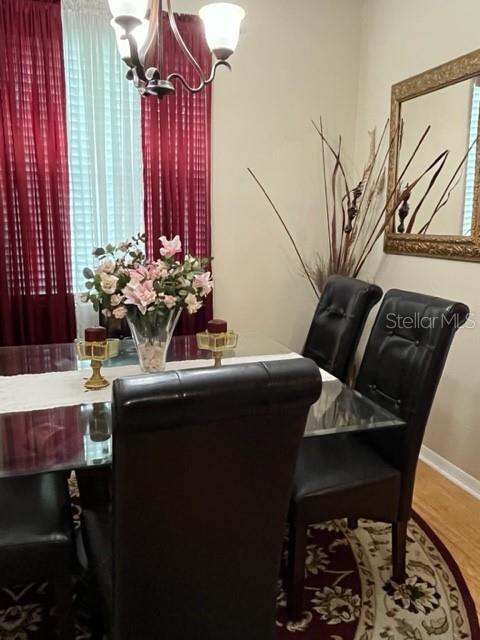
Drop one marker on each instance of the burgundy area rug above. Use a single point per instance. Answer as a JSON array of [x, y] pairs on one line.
[[348, 592]]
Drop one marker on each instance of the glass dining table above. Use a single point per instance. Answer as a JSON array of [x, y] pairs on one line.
[[79, 436]]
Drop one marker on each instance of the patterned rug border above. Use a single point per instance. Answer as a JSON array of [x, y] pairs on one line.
[[470, 606], [374, 623]]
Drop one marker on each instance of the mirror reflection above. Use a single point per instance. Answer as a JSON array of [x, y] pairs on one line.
[[443, 203]]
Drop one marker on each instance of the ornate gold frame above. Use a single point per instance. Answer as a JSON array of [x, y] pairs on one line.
[[432, 246]]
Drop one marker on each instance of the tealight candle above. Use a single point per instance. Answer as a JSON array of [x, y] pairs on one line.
[[95, 334], [216, 326]]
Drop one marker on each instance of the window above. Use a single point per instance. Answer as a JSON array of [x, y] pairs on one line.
[[471, 161], [104, 135]]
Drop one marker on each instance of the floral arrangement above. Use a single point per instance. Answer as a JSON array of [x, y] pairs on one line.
[[146, 292]]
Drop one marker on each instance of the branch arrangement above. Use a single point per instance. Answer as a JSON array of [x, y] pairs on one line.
[[355, 218]]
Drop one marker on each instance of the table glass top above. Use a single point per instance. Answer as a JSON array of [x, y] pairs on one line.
[[80, 436]]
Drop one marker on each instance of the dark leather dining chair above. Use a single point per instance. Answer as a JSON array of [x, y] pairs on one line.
[[338, 323], [36, 538], [203, 465], [372, 475]]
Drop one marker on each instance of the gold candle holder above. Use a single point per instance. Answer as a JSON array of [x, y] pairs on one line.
[[97, 353], [217, 343]]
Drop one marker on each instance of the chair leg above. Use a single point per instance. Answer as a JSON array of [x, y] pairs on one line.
[[64, 606], [297, 551], [353, 523], [94, 484], [399, 551], [98, 629]]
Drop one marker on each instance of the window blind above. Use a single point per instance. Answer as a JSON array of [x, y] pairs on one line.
[[471, 162], [104, 135]]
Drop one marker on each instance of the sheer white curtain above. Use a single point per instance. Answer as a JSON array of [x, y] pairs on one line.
[[104, 136]]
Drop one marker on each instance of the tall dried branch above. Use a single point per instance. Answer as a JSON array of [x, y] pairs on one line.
[[355, 218], [368, 246], [367, 222], [442, 159], [299, 255], [448, 189], [327, 207]]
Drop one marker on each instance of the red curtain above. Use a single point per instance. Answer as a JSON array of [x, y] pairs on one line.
[[34, 440], [176, 156], [36, 299]]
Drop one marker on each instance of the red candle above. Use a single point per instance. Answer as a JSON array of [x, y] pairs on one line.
[[95, 334], [216, 326]]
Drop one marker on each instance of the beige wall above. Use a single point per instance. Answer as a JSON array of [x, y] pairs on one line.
[[399, 40], [295, 61]]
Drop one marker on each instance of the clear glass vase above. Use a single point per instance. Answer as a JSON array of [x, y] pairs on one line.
[[152, 338]]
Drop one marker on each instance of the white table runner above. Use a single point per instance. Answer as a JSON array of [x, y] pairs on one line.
[[65, 388]]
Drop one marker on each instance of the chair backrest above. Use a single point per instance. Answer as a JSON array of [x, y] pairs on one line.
[[401, 369], [203, 471], [338, 323]]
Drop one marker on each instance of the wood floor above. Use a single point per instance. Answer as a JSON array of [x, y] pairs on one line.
[[454, 515]]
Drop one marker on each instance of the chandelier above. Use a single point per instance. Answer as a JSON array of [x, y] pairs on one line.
[[136, 24]]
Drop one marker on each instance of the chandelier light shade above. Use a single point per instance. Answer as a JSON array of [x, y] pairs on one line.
[[131, 8], [222, 22], [140, 33], [137, 22]]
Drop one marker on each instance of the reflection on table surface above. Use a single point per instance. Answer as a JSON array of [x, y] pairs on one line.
[[80, 436], [62, 357]]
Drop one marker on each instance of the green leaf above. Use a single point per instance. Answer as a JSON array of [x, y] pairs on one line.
[[87, 273], [89, 285]]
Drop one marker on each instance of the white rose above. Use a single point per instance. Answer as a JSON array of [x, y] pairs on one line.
[[108, 283], [193, 305], [106, 267], [120, 313], [170, 301], [109, 266]]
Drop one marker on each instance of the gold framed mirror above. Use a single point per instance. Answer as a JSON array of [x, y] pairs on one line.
[[443, 220]]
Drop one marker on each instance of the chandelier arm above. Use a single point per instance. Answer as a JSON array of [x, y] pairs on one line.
[[135, 61], [183, 46], [155, 24], [204, 82]]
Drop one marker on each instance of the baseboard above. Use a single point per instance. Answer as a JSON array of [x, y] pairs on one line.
[[450, 471]]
